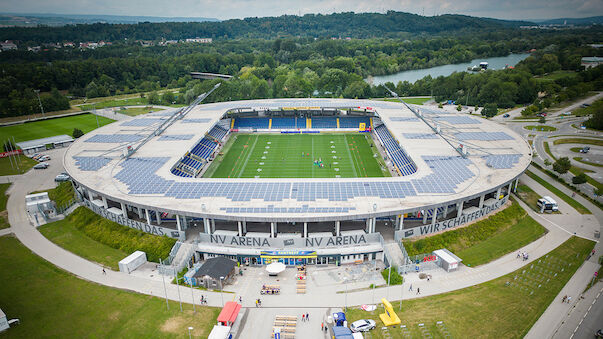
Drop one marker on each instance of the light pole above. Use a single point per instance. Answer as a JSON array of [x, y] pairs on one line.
[[189, 332], [221, 289], [178, 288], [346, 294], [190, 283], [94, 107], [40, 101], [164, 288], [401, 293]]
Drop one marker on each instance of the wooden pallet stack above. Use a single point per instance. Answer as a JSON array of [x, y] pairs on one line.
[[301, 280], [285, 325]]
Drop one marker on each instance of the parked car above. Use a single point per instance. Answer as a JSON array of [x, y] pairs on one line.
[[363, 325], [44, 158], [585, 149], [506, 115], [584, 105], [42, 165], [62, 177], [37, 156]]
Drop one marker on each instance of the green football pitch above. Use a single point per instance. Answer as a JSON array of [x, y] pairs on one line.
[[298, 156]]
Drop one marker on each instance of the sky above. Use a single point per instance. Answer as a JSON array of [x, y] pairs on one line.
[[229, 9]]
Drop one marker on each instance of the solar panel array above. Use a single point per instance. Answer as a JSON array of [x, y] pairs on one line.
[[195, 121], [448, 172], [483, 136], [142, 122], [502, 160], [114, 138], [91, 163], [302, 209], [420, 135], [139, 176], [457, 120], [173, 137], [404, 119]]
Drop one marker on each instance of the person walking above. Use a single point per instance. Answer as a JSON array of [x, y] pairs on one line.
[[240, 300], [410, 288], [418, 290], [104, 272], [307, 317], [256, 303], [303, 317], [322, 326]]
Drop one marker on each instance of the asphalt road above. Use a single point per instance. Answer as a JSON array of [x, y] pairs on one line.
[[593, 320]]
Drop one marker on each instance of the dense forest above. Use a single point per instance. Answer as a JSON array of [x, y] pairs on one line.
[[361, 25], [303, 67]]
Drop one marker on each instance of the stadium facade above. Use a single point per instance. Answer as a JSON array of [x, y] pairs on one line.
[[147, 172]]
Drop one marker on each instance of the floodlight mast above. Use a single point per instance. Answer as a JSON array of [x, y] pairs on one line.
[[435, 129], [176, 116]]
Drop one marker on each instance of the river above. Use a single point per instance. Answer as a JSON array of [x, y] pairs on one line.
[[414, 75]]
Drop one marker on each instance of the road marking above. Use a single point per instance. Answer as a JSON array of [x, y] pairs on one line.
[[248, 156]]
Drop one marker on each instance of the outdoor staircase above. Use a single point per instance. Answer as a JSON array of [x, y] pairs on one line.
[[393, 254], [179, 260]]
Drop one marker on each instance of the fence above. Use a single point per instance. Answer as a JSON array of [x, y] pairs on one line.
[[418, 263]]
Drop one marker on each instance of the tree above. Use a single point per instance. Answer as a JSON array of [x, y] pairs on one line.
[[547, 162], [440, 105], [562, 165], [459, 107], [490, 110], [542, 120], [579, 179], [168, 97], [77, 133], [153, 98]]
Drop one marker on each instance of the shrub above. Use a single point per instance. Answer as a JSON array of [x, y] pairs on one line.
[[120, 237], [579, 179], [461, 238], [489, 110], [77, 133], [395, 279]]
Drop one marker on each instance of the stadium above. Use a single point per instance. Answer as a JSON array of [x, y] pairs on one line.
[[313, 181]]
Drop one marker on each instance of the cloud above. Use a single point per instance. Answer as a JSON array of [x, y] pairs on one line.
[[504, 9]]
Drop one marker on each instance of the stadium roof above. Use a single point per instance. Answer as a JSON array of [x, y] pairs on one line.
[[497, 155]]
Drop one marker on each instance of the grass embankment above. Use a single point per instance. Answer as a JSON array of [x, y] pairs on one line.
[[580, 159], [62, 194], [576, 205], [51, 127], [98, 239], [3, 212], [543, 128], [492, 309], [485, 240], [590, 110], [9, 167], [53, 303]]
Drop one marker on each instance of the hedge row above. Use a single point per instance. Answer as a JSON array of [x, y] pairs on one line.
[[120, 237], [468, 236], [395, 278]]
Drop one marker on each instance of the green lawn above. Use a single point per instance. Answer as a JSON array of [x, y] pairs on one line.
[[66, 235], [596, 142], [3, 212], [115, 103], [133, 111], [53, 303], [544, 128], [576, 205], [556, 75], [492, 309], [528, 196], [504, 232], [8, 166], [547, 149], [52, 127], [414, 100], [280, 156], [580, 159]]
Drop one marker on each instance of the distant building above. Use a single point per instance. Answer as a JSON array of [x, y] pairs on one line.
[[7, 45], [68, 44], [596, 45], [34, 49], [200, 40], [589, 62]]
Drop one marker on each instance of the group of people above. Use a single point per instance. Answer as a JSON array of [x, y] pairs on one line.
[[522, 255], [566, 299], [203, 300], [305, 317], [258, 303]]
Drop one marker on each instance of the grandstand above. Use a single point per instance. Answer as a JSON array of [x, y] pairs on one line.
[[299, 171]]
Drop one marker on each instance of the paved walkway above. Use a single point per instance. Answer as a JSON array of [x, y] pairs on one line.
[[5, 231]]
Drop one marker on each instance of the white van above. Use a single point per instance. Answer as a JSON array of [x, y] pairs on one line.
[[547, 204]]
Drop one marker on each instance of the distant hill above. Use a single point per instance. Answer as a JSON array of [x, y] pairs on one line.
[[32, 20], [572, 21], [349, 24]]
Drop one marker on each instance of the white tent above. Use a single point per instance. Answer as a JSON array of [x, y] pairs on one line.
[[275, 268]]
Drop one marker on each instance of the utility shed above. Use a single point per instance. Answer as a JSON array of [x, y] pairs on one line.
[[39, 145], [449, 261], [212, 269], [132, 262]]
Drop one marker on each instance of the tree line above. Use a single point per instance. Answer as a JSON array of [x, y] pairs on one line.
[[349, 24]]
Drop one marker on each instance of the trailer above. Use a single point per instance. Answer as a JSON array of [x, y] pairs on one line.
[[132, 262]]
